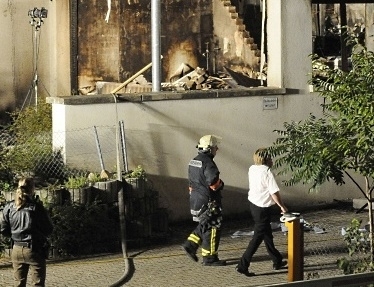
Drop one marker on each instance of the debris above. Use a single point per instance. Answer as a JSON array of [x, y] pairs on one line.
[[184, 78], [198, 79], [306, 227], [239, 233], [86, 90], [182, 70], [244, 80]]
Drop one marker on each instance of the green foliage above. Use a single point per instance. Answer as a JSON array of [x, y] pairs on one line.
[[84, 229], [358, 243], [31, 121], [349, 99], [77, 182], [94, 177], [3, 241], [6, 187], [317, 150], [32, 150], [138, 172], [305, 154]]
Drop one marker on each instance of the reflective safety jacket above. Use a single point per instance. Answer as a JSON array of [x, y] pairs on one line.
[[202, 173]]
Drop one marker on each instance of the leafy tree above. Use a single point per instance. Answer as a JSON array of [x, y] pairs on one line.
[[31, 150], [314, 151]]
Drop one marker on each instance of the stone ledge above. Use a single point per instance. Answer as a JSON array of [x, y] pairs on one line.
[[161, 96], [358, 203]]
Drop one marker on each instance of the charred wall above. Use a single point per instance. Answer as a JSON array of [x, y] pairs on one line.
[[98, 42], [115, 50]]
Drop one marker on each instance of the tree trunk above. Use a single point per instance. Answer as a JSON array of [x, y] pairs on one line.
[[369, 198]]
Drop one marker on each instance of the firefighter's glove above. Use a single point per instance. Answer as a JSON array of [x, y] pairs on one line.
[[221, 185], [204, 215]]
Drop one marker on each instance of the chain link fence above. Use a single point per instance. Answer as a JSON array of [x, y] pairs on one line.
[[60, 154]]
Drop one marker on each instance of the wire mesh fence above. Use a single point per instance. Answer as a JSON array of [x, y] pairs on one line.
[[57, 155]]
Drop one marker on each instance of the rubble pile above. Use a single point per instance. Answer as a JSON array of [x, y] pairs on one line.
[[185, 78], [198, 79]]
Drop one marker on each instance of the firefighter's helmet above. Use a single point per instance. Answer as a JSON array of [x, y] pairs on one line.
[[208, 141]]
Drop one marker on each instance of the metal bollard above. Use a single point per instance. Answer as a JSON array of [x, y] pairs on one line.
[[295, 250]]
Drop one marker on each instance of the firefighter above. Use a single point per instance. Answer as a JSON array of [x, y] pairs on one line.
[[205, 187]]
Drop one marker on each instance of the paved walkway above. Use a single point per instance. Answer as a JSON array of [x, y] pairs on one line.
[[167, 264]]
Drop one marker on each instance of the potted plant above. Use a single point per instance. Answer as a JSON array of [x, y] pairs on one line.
[[137, 179], [80, 189], [54, 194], [7, 190], [105, 186]]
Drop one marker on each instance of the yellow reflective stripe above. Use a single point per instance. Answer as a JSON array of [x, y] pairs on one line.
[[212, 250], [205, 252], [194, 238], [213, 241]]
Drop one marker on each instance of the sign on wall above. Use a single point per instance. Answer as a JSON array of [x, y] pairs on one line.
[[270, 103]]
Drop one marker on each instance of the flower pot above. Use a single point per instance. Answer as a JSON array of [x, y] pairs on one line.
[[84, 195], [138, 187], [107, 191]]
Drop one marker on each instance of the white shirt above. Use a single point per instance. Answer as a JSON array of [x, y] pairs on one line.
[[262, 185]]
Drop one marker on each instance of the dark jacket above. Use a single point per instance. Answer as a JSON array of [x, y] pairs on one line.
[[202, 172], [31, 223]]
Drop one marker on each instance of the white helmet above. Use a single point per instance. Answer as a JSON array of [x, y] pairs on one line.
[[208, 141]]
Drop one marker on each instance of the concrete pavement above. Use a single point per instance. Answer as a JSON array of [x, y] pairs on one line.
[[167, 265]]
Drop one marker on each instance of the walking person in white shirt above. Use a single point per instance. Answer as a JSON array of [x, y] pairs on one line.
[[262, 195]]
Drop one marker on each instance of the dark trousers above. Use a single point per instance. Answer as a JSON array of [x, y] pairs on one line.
[[262, 232], [206, 236], [23, 259]]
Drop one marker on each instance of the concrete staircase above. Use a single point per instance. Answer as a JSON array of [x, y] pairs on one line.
[[251, 51]]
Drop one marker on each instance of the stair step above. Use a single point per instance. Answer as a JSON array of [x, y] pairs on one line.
[[246, 33], [241, 28], [234, 16], [239, 21], [254, 46], [249, 40], [232, 9]]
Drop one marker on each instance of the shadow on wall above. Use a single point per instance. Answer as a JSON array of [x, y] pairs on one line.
[[5, 118], [174, 196]]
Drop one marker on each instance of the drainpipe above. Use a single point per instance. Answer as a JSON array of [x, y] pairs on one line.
[[156, 39]]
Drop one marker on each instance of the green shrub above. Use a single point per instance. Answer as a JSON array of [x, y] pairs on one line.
[[138, 172], [79, 181], [84, 229], [31, 151], [358, 243]]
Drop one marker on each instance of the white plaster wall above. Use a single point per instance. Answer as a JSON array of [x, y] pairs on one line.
[[289, 30], [162, 135], [6, 68], [17, 51]]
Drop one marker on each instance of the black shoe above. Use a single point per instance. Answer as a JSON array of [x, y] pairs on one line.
[[190, 253], [279, 265], [213, 261], [244, 271]]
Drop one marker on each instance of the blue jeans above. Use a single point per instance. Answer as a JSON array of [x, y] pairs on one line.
[[23, 259]]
